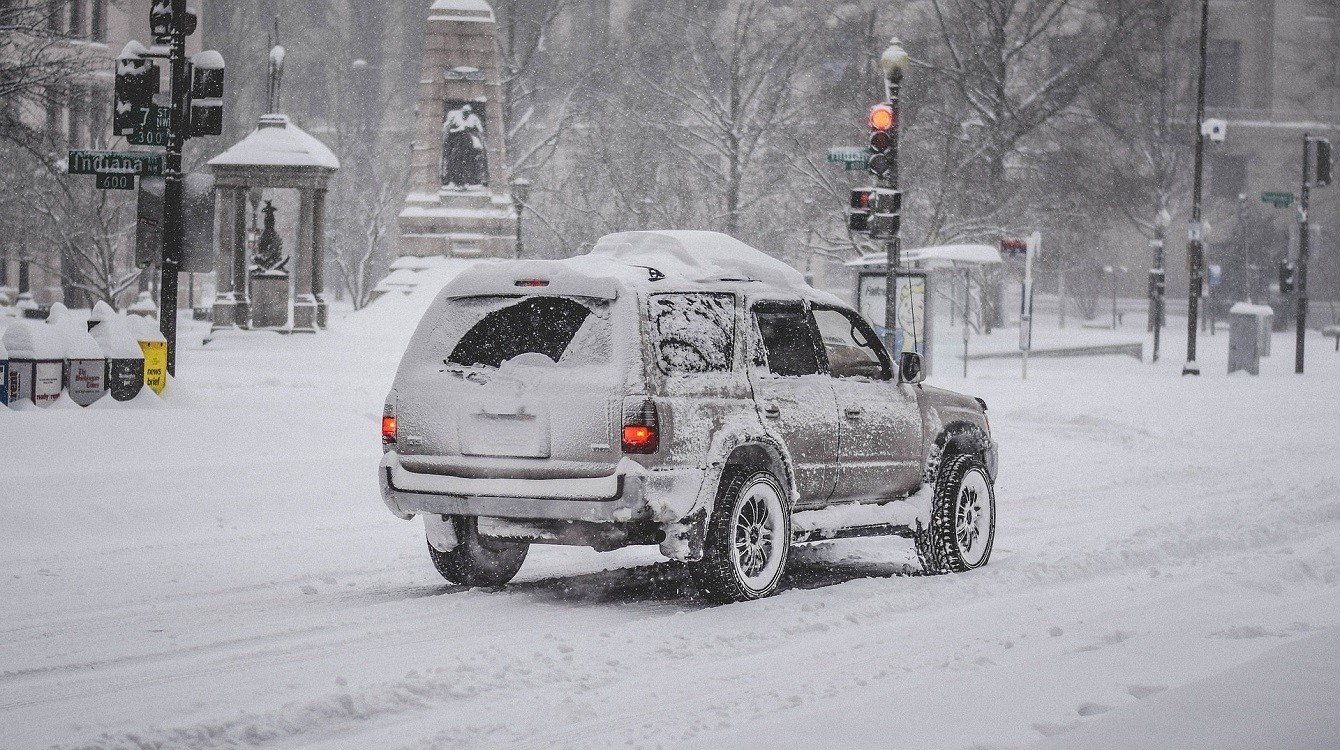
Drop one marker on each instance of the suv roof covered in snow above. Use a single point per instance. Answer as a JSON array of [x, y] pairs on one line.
[[655, 260]]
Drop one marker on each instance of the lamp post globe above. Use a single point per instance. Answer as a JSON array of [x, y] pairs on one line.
[[894, 61]]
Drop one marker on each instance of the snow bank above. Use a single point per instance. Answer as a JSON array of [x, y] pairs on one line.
[[408, 292], [113, 334], [29, 340]]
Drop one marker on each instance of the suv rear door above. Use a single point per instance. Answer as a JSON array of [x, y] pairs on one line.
[[793, 394], [879, 451]]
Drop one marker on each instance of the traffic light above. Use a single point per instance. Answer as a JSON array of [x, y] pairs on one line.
[[1323, 163], [162, 25], [1286, 276], [136, 84], [858, 214], [883, 123], [1157, 282], [885, 209], [206, 94]]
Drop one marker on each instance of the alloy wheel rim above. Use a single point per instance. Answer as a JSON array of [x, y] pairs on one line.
[[973, 521], [755, 533]]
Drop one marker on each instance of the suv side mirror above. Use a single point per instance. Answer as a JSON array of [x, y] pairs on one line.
[[909, 367]]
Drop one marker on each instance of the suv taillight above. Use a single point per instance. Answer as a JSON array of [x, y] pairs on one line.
[[641, 429], [388, 426]]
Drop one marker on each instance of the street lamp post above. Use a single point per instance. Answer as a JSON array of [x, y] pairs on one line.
[[894, 62], [1195, 248], [520, 192]]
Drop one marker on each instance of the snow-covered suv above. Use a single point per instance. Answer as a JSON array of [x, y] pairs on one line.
[[680, 389]]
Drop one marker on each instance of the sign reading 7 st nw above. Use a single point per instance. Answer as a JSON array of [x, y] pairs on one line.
[[134, 162]]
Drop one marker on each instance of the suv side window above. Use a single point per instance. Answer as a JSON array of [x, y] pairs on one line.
[[789, 342], [693, 332], [849, 343]]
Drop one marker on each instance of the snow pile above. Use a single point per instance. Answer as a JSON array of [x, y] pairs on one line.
[[73, 334], [407, 293], [113, 334], [26, 339], [697, 256]]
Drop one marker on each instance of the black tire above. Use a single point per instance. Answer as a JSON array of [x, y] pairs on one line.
[[723, 575], [940, 547], [476, 562]]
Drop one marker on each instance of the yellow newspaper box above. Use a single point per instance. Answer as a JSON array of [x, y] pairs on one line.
[[155, 364], [154, 347]]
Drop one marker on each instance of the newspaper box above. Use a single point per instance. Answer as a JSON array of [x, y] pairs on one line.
[[154, 346], [125, 359], [36, 363], [4, 375], [85, 364]]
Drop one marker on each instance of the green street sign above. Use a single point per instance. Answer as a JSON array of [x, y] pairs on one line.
[[151, 126], [142, 163], [1281, 200], [850, 157], [116, 181]]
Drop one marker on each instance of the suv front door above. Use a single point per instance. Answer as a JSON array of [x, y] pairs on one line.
[[880, 431], [793, 394]]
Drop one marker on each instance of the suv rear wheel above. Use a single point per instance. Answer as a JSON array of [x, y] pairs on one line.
[[963, 518], [475, 561], [748, 538]]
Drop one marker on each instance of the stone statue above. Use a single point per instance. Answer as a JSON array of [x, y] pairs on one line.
[[464, 154], [270, 250]]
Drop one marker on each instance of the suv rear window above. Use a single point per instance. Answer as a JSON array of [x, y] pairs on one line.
[[562, 329], [693, 332]]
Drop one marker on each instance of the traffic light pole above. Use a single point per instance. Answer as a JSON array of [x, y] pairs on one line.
[[893, 246], [1195, 248], [173, 230], [1300, 277]]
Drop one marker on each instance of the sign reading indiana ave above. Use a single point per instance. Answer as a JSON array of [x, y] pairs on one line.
[[136, 162]]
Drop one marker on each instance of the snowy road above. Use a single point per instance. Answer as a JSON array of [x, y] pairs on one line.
[[220, 573]]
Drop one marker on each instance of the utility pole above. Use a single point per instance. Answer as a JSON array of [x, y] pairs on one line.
[[1195, 248]]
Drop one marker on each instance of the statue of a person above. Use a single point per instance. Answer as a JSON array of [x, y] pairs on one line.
[[270, 249], [464, 159]]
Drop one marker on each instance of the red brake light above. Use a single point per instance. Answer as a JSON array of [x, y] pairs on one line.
[[531, 282], [388, 430], [641, 433]]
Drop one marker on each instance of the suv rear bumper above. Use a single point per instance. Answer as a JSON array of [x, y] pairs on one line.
[[618, 497]]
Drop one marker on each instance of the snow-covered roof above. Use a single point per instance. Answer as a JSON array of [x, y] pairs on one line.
[[937, 256], [651, 259], [277, 142], [461, 10]]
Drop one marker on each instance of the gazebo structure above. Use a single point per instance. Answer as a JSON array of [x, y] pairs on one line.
[[277, 154]]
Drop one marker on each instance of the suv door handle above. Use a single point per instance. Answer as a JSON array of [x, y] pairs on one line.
[[854, 412], [771, 410]]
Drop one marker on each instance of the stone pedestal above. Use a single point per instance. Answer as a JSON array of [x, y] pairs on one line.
[[269, 299], [459, 96]]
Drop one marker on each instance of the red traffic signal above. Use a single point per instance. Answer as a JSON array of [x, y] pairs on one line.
[[1013, 246], [860, 198]]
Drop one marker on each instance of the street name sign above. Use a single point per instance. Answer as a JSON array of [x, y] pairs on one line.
[[136, 162], [116, 181], [1280, 199], [151, 126], [850, 157]]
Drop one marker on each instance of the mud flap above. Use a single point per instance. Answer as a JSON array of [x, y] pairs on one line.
[[441, 532], [684, 538]]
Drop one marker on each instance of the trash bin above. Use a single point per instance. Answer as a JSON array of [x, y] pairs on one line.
[[1245, 336], [85, 364], [1267, 326], [125, 359], [154, 346], [36, 363]]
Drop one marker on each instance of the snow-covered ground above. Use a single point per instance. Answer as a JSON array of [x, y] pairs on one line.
[[221, 573]]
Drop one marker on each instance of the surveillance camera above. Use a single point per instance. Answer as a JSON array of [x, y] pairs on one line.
[[1216, 129]]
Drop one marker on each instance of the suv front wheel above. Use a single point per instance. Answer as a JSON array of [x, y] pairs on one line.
[[963, 518], [748, 538]]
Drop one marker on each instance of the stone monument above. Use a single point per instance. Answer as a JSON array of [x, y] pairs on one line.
[[458, 204]]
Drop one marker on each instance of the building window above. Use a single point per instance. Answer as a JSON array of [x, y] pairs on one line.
[[56, 16], [1228, 176], [1223, 62], [99, 117], [55, 114]]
